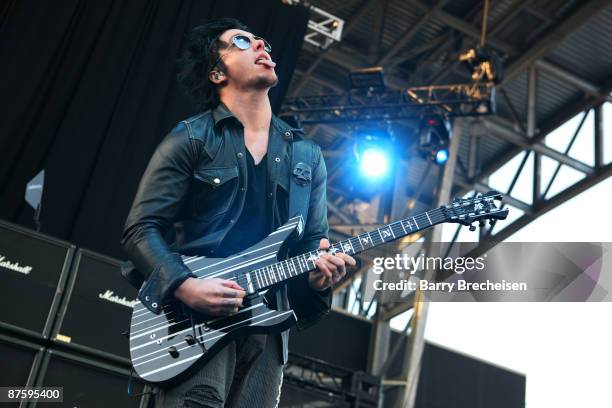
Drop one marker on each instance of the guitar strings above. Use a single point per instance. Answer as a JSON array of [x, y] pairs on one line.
[[434, 217]]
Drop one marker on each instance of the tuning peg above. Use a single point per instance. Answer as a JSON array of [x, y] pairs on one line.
[[492, 223], [472, 228], [481, 223]]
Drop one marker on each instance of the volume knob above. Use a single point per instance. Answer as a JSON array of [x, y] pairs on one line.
[[173, 351]]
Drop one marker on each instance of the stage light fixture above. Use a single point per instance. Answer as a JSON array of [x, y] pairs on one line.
[[434, 136], [442, 156], [374, 156], [374, 163]]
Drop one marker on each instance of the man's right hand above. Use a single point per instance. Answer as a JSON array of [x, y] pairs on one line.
[[215, 297]]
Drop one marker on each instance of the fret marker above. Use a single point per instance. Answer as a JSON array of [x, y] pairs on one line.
[[386, 233]]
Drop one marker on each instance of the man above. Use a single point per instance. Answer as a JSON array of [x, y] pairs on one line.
[[219, 183]]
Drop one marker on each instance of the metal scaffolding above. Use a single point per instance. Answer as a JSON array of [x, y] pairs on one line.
[[527, 116]]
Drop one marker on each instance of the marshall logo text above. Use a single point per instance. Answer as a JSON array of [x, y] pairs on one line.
[[14, 266], [111, 297]]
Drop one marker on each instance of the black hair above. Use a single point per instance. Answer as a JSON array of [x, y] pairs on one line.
[[201, 51]]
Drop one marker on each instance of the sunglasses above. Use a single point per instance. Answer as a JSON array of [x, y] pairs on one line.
[[244, 42]]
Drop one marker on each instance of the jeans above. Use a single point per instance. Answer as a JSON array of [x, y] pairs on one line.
[[246, 373]]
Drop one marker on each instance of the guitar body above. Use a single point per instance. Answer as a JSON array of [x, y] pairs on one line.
[[165, 347]]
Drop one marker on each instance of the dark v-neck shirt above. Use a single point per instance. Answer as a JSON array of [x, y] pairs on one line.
[[253, 224]]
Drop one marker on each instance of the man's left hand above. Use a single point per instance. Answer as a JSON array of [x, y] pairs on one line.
[[331, 268]]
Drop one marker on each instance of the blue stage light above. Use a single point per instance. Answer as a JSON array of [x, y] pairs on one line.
[[374, 162], [442, 156]]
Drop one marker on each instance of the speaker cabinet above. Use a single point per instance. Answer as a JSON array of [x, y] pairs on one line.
[[347, 335], [86, 382], [21, 361], [33, 272], [96, 308]]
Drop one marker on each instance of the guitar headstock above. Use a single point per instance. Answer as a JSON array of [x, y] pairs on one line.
[[480, 208]]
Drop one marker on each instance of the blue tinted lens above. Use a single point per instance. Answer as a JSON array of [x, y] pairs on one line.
[[242, 42]]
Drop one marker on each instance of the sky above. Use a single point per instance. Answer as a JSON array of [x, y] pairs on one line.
[[564, 349]]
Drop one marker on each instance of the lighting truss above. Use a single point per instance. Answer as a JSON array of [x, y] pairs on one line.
[[323, 28], [473, 99]]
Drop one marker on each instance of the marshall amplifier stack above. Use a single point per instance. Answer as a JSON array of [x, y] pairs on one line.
[[33, 271], [62, 314]]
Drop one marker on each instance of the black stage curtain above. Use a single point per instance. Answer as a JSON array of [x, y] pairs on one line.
[[87, 91]]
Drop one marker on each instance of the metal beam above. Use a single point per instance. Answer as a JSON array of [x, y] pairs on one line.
[[599, 135], [323, 82], [532, 86], [377, 21], [435, 43], [557, 120], [515, 9], [572, 191], [409, 34], [515, 138], [561, 73], [544, 45], [464, 27], [567, 150]]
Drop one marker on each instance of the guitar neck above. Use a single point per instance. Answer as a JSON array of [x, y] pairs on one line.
[[280, 271]]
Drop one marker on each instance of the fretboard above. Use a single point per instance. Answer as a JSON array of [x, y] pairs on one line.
[[280, 271]]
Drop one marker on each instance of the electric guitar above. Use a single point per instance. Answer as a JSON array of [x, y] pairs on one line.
[[165, 346]]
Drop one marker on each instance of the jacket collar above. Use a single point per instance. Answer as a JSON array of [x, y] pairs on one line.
[[221, 112]]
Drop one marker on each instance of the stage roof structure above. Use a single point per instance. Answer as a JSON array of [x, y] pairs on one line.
[[557, 64]]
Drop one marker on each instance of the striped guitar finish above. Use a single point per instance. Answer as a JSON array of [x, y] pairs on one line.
[[165, 346]]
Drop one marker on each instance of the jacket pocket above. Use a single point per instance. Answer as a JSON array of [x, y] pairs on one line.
[[215, 190]]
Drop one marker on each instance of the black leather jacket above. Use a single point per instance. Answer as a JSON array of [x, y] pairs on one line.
[[192, 192]]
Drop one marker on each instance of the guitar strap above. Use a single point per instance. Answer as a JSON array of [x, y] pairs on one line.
[[300, 185]]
